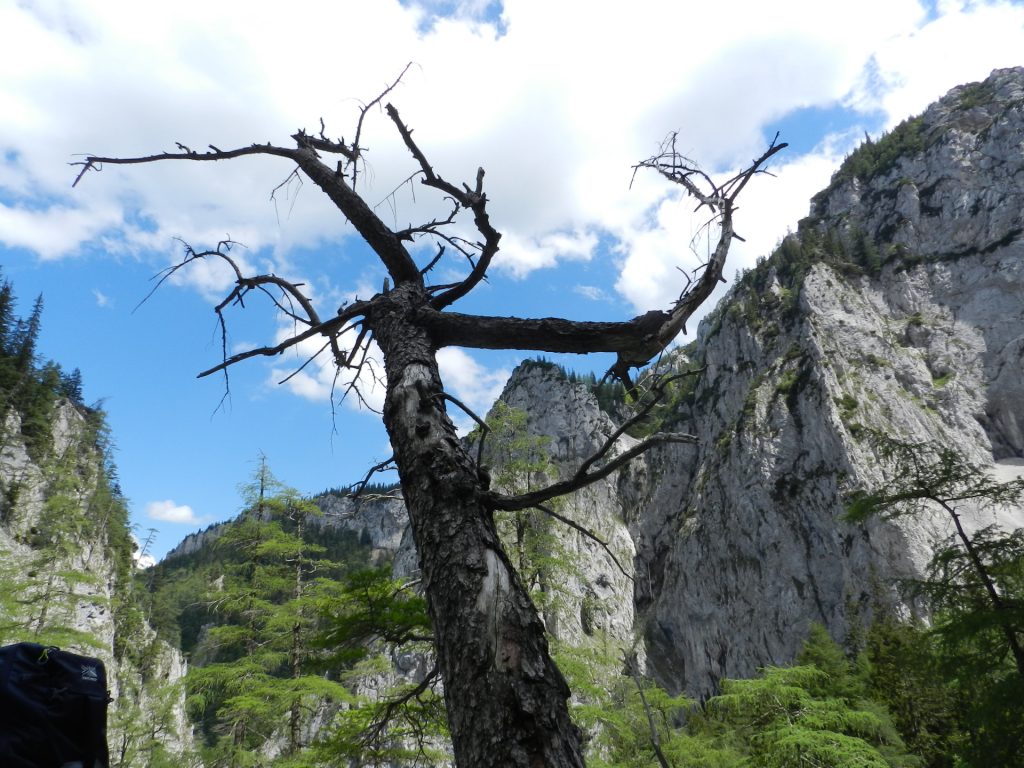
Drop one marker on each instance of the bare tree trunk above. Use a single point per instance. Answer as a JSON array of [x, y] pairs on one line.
[[506, 699]]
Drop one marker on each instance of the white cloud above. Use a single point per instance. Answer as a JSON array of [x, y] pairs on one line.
[[102, 300], [477, 386], [55, 231], [170, 512], [963, 44], [591, 292], [520, 256], [312, 374], [557, 109]]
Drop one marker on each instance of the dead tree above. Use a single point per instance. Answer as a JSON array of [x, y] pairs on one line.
[[506, 699]]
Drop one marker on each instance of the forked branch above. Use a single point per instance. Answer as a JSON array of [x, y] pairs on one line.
[[584, 475], [584, 478], [472, 198]]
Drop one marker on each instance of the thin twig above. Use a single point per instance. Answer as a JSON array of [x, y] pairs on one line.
[[366, 479], [586, 532], [484, 429]]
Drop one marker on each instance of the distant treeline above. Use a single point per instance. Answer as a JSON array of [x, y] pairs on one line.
[[610, 393], [29, 385]]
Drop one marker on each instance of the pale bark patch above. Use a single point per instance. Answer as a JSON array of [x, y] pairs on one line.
[[491, 602]]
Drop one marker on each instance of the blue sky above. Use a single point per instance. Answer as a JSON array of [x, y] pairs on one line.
[[556, 104]]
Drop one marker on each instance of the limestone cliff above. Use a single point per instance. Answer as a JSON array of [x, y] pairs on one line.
[[65, 566], [897, 306]]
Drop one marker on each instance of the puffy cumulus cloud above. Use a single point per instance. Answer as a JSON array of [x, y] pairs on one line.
[[105, 79], [57, 230], [171, 512], [555, 104], [520, 256], [474, 384], [963, 43], [310, 373]]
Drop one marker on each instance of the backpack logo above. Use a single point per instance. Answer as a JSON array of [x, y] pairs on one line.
[[90, 673]]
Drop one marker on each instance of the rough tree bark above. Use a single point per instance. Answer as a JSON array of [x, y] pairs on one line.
[[506, 699]]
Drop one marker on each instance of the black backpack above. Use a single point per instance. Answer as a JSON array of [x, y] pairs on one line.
[[53, 709]]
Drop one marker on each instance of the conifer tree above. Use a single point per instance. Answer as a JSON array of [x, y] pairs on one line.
[[975, 578], [522, 463], [59, 584], [974, 589], [254, 687], [26, 338], [7, 325]]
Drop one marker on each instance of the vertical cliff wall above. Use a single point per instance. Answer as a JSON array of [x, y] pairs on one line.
[[897, 307], [66, 573]]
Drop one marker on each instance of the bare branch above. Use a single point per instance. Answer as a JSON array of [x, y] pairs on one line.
[[302, 367], [484, 429], [377, 235], [720, 200], [376, 729], [586, 532], [581, 479], [362, 115], [474, 199], [191, 255], [658, 388], [433, 261], [326, 328], [273, 193], [96, 162], [361, 485]]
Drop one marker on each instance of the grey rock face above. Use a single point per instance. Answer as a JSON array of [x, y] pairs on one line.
[[928, 350], [380, 522], [83, 605], [598, 596], [958, 206]]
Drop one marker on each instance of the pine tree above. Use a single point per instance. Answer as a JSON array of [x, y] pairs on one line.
[[44, 606], [974, 588], [8, 373], [254, 685], [26, 338]]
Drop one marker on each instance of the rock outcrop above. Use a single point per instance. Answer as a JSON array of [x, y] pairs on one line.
[[65, 563], [896, 307]]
